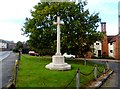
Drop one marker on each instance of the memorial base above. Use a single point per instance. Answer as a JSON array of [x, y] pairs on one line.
[[58, 63]]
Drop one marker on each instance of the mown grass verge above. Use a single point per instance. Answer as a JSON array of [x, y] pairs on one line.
[[32, 73]]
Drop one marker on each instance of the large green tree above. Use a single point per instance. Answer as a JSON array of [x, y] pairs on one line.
[[77, 34], [18, 47]]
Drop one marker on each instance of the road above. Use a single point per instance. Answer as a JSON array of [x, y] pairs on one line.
[[114, 80], [0, 74], [7, 62], [4, 54]]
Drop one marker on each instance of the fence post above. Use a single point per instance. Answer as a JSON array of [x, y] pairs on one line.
[[19, 58], [78, 79], [95, 72], [107, 65], [104, 70], [16, 71], [16, 74], [85, 62]]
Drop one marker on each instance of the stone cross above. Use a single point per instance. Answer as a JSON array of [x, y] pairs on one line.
[[58, 34], [58, 62]]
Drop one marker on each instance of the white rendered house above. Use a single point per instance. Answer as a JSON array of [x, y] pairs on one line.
[[97, 49], [3, 44], [111, 49]]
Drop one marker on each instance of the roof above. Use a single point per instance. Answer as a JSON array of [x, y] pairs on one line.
[[2, 41], [111, 38]]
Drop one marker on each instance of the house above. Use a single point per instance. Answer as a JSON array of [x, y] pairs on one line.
[[3, 45], [6, 45], [11, 45], [110, 46]]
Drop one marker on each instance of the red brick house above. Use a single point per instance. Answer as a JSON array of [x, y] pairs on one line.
[[110, 46]]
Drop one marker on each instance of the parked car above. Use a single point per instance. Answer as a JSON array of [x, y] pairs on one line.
[[33, 53], [68, 56]]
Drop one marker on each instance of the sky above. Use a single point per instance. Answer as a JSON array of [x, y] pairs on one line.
[[14, 12]]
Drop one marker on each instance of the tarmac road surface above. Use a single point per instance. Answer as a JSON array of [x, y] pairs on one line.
[[4, 54], [7, 62], [114, 80]]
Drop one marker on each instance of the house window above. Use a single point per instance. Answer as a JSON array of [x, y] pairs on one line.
[[111, 51], [111, 43], [97, 43]]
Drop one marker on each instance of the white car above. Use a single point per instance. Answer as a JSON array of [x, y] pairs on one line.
[[68, 56], [33, 53]]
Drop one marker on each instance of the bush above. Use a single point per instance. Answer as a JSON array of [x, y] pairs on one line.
[[15, 50], [25, 51], [47, 52]]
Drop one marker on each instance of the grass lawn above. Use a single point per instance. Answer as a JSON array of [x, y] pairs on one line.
[[32, 73]]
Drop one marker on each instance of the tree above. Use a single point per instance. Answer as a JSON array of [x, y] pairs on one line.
[[25, 48], [77, 34], [19, 46]]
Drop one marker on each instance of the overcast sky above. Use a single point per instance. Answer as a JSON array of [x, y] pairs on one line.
[[14, 12]]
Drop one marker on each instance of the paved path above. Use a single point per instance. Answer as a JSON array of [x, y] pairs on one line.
[[6, 68]]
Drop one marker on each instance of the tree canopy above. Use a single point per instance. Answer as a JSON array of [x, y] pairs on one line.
[[18, 47], [78, 33]]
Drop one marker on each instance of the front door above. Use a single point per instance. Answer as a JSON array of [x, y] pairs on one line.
[[99, 52]]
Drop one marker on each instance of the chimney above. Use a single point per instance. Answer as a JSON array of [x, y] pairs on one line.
[[103, 27], [119, 18], [105, 41]]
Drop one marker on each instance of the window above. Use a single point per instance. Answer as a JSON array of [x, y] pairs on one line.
[[111, 51], [97, 43]]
